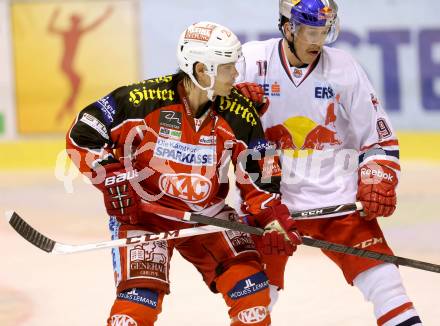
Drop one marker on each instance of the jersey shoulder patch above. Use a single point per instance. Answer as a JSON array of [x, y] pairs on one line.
[[152, 92], [239, 112]]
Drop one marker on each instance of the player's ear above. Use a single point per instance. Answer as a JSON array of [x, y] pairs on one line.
[[199, 70], [200, 74], [287, 29]]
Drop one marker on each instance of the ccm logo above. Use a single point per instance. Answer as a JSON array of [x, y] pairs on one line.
[[312, 212], [376, 173], [252, 315], [369, 242], [120, 177]]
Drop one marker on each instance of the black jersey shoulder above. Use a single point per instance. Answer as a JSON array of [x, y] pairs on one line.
[[240, 113], [148, 95]]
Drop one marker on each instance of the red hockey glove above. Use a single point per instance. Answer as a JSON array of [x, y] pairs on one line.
[[280, 236], [120, 199], [377, 190], [255, 93]]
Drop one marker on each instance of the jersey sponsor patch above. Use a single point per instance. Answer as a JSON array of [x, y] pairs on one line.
[[144, 297], [231, 105], [240, 241], [207, 140], [147, 260], [193, 188], [199, 33], [171, 119], [261, 145], [324, 92], [137, 96], [248, 286], [95, 124], [170, 133], [122, 320], [183, 153], [252, 315], [107, 106], [271, 89]]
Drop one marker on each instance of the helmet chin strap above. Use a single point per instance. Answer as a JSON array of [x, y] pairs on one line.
[[209, 89]]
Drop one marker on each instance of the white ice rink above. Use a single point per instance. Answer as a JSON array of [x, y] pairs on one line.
[[37, 289]]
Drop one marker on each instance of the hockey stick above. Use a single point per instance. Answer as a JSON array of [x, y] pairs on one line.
[[236, 226], [51, 246]]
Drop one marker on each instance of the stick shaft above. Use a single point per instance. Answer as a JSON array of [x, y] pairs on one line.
[[51, 246], [324, 245]]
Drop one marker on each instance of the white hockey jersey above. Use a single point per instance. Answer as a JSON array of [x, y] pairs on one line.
[[325, 117]]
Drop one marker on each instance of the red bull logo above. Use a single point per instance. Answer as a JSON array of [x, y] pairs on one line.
[[302, 133]]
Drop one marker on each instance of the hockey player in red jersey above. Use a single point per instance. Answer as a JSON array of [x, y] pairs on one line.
[[338, 145], [169, 141]]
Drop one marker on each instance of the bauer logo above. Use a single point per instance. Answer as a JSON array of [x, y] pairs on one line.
[[122, 320], [248, 286], [144, 297], [193, 188], [183, 153], [120, 177], [252, 315]]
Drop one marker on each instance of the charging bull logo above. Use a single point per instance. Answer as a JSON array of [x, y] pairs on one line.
[[302, 133], [192, 188]]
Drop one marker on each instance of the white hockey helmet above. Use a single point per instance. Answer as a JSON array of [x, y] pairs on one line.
[[208, 43]]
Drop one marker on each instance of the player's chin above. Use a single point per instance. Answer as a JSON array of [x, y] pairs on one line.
[[310, 56], [225, 91]]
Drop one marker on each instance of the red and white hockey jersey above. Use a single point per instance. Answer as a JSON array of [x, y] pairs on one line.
[[326, 118]]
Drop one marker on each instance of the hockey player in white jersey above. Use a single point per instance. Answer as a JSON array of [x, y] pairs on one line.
[[338, 146]]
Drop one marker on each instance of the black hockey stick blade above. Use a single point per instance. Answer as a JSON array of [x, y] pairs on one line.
[[337, 209], [236, 226], [29, 233]]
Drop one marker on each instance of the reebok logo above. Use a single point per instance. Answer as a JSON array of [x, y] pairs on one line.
[[367, 173]]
